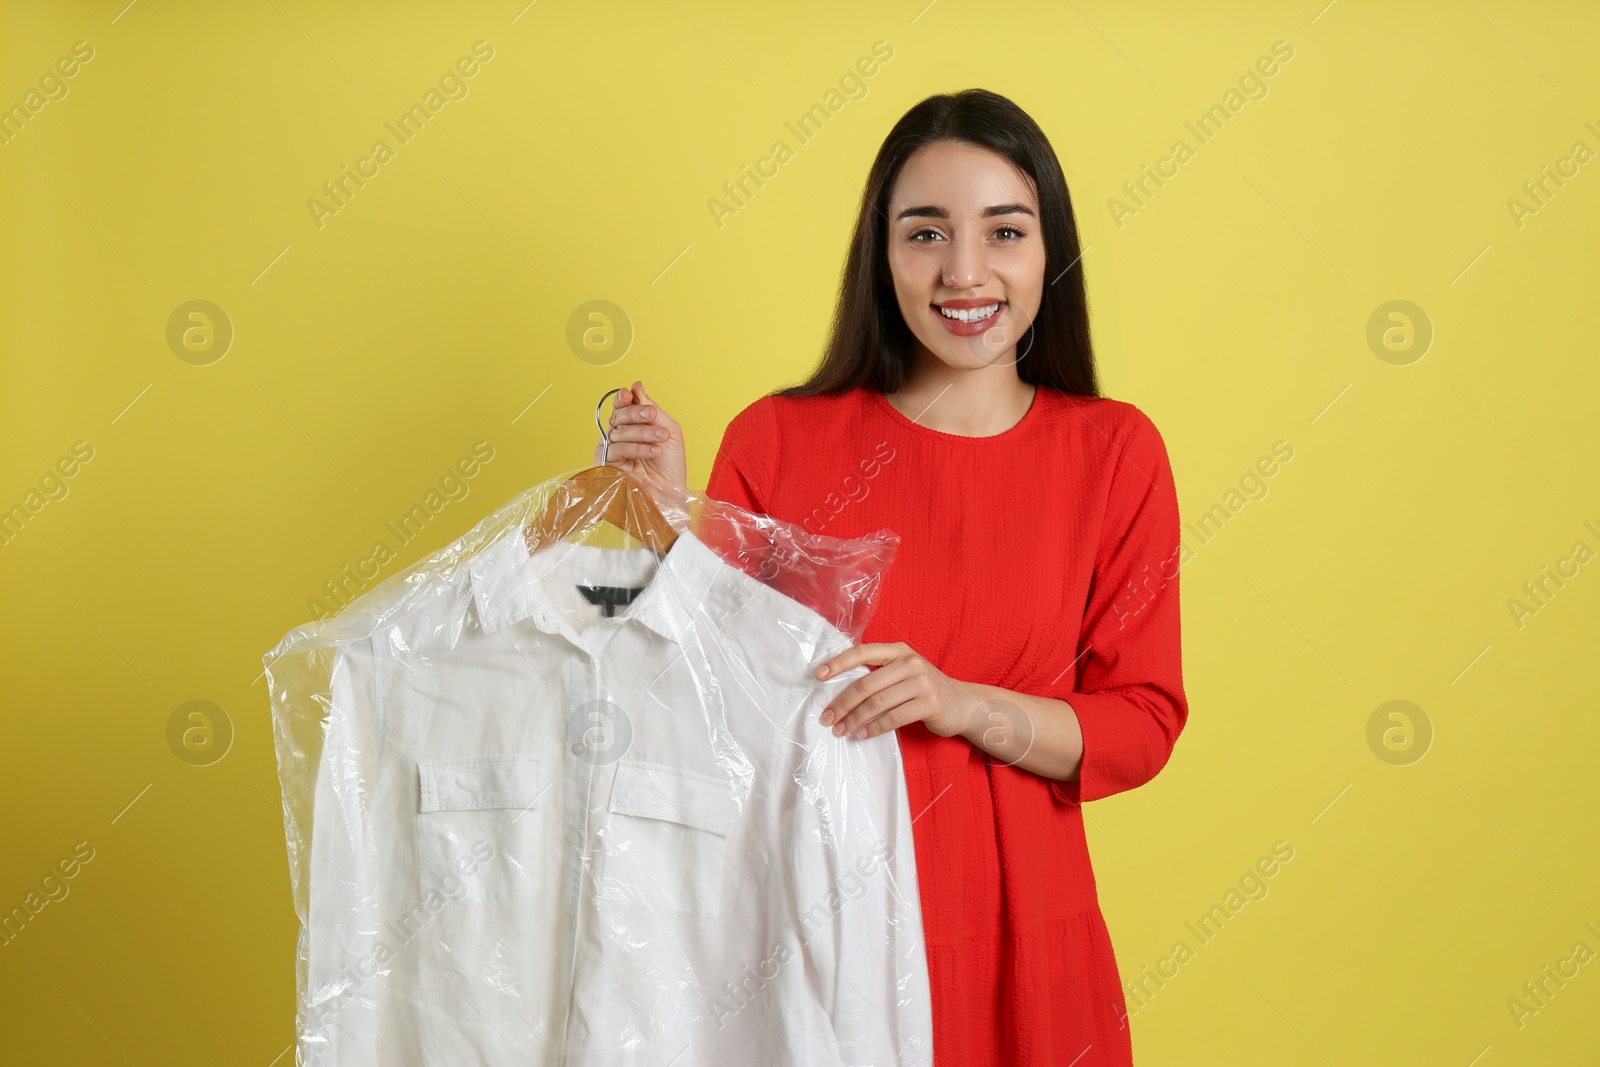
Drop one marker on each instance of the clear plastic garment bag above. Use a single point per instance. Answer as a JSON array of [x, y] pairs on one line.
[[560, 794]]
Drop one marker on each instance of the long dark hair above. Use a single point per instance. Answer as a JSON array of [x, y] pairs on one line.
[[869, 342]]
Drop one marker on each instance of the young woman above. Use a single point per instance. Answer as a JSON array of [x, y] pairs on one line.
[[1026, 645]]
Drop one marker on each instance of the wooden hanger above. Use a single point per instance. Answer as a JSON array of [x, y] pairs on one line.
[[600, 494]]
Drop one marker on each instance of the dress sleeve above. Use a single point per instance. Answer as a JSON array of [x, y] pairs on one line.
[[1128, 691], [742, 473]]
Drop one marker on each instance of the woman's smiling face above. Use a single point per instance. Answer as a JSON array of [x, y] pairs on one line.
[[964, 244]]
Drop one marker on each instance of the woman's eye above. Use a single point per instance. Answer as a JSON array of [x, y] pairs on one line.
[[1002, 233]]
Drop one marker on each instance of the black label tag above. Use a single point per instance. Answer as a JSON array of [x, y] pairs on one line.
[[609, 596]]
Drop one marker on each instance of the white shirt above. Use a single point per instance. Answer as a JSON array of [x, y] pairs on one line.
[[543, 836]]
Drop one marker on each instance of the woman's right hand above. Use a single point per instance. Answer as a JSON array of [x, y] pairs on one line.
[[644, 441]]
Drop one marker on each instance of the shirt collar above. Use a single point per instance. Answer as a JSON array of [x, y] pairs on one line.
[[509, 585]]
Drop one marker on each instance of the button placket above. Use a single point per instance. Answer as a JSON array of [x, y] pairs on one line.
[[580, 689], [595, 768]]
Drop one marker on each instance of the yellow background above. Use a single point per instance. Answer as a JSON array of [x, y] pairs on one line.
[[431, 312]]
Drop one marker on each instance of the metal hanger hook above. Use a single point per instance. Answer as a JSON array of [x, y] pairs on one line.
[[604, 436]]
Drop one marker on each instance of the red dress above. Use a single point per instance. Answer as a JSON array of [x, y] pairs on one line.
[[1043, 560]]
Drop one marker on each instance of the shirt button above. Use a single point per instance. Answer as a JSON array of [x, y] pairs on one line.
[[579, 748], [574, 836]]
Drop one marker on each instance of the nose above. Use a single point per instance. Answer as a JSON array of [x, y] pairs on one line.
[[966, 263]]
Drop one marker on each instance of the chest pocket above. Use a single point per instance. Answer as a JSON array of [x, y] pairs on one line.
[[478, 828], [666, 839]]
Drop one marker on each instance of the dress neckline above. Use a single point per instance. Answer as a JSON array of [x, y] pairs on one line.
[[1015, 430]]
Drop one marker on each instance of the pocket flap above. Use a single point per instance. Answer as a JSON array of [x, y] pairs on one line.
[[480, 782], [656, 792]]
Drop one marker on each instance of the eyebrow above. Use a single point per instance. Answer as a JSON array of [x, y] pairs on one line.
[[931, 212]]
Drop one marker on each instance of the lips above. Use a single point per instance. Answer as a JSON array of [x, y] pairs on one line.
[[974, 325]]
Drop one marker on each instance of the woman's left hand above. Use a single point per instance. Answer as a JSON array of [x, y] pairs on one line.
[[904, 688]]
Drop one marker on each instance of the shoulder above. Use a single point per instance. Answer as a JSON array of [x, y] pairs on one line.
[[1119, 455], [1108, 426], [790, 410], [775, 416]]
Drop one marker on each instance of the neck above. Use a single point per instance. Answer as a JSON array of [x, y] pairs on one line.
[[966, 401]]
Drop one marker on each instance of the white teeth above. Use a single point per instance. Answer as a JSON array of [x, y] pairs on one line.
[[969, 314]]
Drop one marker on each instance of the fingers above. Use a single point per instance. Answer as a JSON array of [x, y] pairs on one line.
[[632, 413], [894, 706], [638, 440], [633, 405], [635, 431], [645, 432], [859, 654], [862, 691], [628, 450], [912, 710], [644, 440]]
